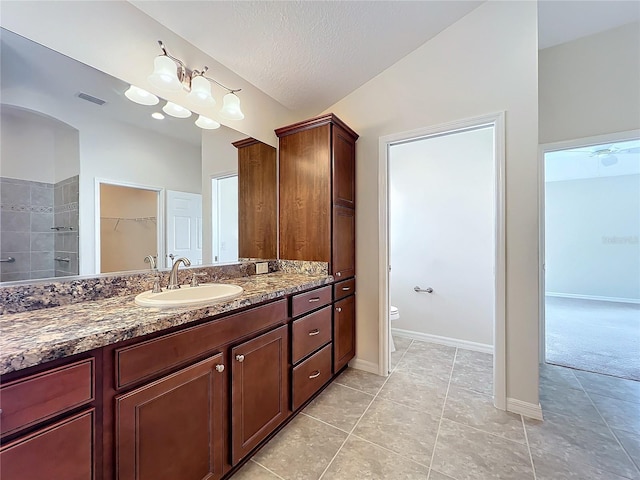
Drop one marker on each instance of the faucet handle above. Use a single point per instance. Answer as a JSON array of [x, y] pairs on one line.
[[194, 278], [156, 283]]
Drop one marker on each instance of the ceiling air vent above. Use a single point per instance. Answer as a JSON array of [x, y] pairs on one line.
[[90, 98]]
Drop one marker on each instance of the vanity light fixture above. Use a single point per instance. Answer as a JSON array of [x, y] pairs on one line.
[[176, 110], [172, 74], [138, 95], [207, 123]]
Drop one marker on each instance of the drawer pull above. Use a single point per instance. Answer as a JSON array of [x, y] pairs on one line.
[[315, 374], [220, 368], [314, 299], [240, 358], [338, 309], [345, 289], [314, 332]]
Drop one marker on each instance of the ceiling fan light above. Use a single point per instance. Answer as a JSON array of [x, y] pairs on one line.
[[176, 110], [207, 123], [231, 107], [165, 74], [138, 95], [200, 93]]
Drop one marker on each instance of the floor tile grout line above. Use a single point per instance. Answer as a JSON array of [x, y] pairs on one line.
[[633, 463], [389, 450], [273, 473], [326, 423], [444, 405], [356, 425], [353, 388], [526, 439], [485, 432]]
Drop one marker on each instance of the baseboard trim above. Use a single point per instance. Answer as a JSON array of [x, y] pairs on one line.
[[451, 342], [527, 409], [365, 365], [593, 297]]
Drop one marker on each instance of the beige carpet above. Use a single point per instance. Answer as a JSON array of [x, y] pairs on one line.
[[601, 337]]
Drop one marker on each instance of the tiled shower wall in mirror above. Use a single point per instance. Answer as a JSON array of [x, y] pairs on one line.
[[38, 229]]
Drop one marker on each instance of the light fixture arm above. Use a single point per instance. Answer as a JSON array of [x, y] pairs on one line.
[[186, 73]]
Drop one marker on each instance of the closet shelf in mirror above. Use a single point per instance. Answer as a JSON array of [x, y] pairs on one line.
[[129, 219], [62, 229]]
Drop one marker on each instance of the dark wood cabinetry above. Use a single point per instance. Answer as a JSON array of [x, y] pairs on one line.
[[317, 175], [257, 199], [64, 450], [259, 391], [317, 208], [173, 428], [344, 334]]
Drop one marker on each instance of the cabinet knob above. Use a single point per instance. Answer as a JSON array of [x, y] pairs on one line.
[[338, 274], [338, 309], [240, 358], [315, 374], [314, 332], [220, 368]]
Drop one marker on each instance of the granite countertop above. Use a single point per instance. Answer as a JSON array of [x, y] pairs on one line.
[[35, 337]]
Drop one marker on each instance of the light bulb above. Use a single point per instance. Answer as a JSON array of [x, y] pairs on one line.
[[231, 107], [138, 95], [207, 123], [176, 110], [200, 93], [165, 74]]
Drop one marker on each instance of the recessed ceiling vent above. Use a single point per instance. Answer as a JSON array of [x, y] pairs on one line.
[[91, 98]]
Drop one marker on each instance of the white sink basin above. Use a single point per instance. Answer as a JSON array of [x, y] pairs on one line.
[[204, 294]]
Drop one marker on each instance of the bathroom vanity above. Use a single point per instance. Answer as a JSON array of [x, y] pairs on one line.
[[180, 393]]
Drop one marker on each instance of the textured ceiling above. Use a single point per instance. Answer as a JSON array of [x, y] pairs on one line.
[[307, 55], [310, 54]]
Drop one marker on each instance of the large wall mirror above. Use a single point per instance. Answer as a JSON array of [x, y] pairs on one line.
[[90, 183]]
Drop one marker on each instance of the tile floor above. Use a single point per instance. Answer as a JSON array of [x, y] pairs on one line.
[[433, 418]]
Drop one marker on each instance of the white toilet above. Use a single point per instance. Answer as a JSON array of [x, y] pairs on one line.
[[394, 314]]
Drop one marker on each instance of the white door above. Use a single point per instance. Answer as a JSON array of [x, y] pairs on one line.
[[184, 226], [224, 196], [441, 225]]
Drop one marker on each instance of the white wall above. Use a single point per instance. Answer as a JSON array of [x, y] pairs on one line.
[[484, 63], [122, 153], [117, 38], [219, 156], [441, 228], [592, 228], [589, 86], [27, 149]]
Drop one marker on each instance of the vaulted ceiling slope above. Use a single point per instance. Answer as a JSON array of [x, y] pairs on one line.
[[308, 55], [289, 49]]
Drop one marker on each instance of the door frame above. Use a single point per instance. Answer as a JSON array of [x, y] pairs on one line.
[[159, 216], [544, 148], [497, 121], [214, 210]]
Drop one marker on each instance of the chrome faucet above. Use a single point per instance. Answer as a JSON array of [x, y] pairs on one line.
[[173, 276], [151, 260]]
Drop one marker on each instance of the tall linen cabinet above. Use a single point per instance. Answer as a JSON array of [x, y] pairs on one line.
[[317, 212]]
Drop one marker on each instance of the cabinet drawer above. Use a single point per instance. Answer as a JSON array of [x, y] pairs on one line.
[[62, 451], [305, 302], [159, 355], [344, 289], [310, 376], [44, 395], [310, 332]]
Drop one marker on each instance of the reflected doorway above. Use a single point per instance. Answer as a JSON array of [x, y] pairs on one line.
[[128, 226], [224, 208]]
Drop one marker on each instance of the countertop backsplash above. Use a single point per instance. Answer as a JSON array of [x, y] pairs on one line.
[[47, 293]]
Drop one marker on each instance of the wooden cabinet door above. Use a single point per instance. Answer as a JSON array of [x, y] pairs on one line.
[[305, 195], [344, 168], [259, 389], [344, 332], [343, 256], [62, 451], [173, 428]]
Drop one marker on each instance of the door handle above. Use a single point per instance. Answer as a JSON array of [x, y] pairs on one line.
[[427, 290]]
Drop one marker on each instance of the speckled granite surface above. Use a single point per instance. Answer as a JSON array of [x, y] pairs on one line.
[[35, 337], [301, 266]]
